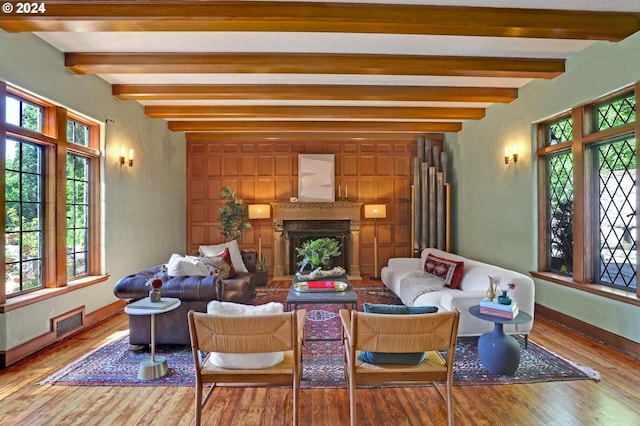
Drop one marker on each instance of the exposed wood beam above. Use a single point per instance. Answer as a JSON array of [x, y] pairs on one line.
[[312, 112], [313, 92], [277, 136], [323, 17], [311, 63], [314, 126]]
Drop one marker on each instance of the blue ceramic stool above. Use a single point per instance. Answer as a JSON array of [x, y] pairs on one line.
[[499, 352]]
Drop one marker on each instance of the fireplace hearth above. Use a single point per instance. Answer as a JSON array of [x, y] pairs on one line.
[[294, 223]]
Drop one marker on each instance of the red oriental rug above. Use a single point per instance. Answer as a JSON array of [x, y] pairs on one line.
[[113, 364]]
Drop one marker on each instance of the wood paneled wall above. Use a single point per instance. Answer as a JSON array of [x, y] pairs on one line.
[[371, 172]]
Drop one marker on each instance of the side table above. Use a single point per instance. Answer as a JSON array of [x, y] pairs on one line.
[[155, 366], [499, 352]]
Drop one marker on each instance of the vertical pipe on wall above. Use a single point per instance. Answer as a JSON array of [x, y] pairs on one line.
[[424, 180], [417, 196], [443, 164], [421, 143], [448, 217], [436, 158], [432, 207], [430, 204], [441, 207], [428, 151]]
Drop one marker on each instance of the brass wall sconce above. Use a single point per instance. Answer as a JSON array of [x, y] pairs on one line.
[[123, 159], [513, 157]]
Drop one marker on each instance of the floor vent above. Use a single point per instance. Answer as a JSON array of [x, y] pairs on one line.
[[68, 322]]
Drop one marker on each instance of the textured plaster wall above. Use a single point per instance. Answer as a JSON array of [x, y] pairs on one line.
[[495, 205], [143, 208]]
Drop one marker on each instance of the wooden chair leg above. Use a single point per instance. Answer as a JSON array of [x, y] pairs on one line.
[[352, 399], [198, 403], [449, 403], [296, 404]]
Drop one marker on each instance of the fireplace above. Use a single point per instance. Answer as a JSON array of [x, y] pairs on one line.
[[299, 231], [294, 223]]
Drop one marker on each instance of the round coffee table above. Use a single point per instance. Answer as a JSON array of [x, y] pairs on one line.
[[499, 352], [155, 366]]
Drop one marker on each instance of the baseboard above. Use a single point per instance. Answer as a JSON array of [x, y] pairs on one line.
[[615, 341], [17, 353]]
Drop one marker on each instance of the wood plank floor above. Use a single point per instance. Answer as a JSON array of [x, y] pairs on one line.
[[615, 400]]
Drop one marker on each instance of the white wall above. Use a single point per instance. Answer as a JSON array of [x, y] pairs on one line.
[[501, 226], [144, 207]]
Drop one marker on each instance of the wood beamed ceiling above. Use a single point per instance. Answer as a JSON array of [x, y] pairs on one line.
[[332, 92]]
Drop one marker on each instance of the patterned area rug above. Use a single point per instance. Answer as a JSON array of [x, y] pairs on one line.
[[113, 364]]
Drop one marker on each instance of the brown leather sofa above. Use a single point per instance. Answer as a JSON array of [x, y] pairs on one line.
[[194, 292]]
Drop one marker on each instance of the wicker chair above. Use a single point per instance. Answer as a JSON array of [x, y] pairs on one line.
[[254, 334], [396, 334]]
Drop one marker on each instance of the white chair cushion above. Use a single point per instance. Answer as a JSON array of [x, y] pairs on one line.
[[236, 361]]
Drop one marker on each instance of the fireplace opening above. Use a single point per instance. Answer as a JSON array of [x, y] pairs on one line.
[[297, 232]]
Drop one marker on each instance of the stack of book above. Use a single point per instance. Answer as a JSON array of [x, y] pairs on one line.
[[496, 309]]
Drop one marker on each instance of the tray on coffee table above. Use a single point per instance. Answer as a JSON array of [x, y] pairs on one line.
[[320, 286]]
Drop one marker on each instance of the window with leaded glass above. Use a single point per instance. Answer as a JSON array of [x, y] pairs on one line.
[[615, 113], [615, 174], [589, 229], [559, 131], [560, 213]]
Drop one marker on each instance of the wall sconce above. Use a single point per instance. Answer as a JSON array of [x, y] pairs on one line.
[[259, 211], [375, 212], [123, 159], [513, 156]]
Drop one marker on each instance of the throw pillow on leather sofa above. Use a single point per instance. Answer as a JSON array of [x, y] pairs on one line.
[[194, 291]]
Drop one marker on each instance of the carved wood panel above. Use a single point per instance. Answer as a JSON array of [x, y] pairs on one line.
[[367, 172]]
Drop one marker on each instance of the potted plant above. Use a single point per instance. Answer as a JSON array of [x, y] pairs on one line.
[[318, 252], [233, 215]]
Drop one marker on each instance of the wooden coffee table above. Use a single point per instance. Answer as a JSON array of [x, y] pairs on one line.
[[346, 298]]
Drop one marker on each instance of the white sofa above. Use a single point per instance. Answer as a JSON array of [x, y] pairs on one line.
[[406, 278]]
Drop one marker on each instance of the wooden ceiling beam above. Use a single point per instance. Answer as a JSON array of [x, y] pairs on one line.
[[141, 92], [311, 63], [312, 112], [314, 126], [297, 137], [323, 17]]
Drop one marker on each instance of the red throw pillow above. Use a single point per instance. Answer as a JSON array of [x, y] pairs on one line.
[[449, 270], [226, 256]]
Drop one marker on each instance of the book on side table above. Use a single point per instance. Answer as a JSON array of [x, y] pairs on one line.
[[496, 309]]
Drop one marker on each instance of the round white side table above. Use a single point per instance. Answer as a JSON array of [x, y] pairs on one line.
[[155, 366]]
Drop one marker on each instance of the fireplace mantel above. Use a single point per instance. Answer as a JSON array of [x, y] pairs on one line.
[[296, 211]]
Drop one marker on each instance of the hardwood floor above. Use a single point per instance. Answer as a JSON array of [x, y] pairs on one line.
[[612, 401]]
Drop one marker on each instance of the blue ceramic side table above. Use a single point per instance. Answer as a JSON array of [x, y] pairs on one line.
[[499, 352]]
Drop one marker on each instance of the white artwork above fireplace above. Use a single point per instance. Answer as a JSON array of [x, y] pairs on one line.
[[316, 178]]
